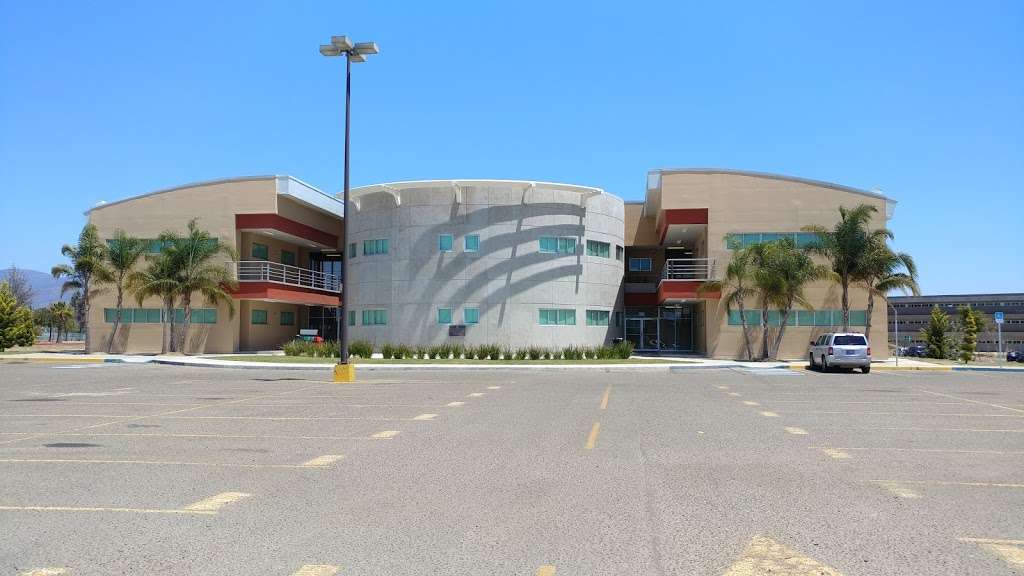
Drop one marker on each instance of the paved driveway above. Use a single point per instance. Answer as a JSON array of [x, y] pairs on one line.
[[119, 469]]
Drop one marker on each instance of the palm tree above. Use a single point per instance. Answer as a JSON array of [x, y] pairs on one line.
[[193, 257], [884, 271], [846, 246], [61, 315], [86, 272], [794, 269], [769, 287], [737, 286], [123, 253], [160, 279]]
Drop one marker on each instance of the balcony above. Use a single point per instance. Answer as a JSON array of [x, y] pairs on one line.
[[263, 271], [697, 269]]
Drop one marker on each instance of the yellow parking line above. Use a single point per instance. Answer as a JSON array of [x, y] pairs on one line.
[[166, 435], [386, 434], [282, 418], [45, 572], [545, 570], [992, 541], [934, 450], [952, 483], [145, 463], [475, 394], [960, 414], [103, 509], [217, 501], [455, 404], [835, 453], [735, 394], [604, 398], [323, 461], [900, 490], [1012, 551], [769, 414], [425, 417], [316, 570], [592, 437], [722, 387], [923, 429], [795, 430], [750, 403], [494, 387]]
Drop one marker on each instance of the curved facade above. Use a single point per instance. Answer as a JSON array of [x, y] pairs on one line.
[[513, 263]]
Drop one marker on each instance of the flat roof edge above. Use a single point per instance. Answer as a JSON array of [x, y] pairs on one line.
[[773, 176], [201, 183], [478, 181]]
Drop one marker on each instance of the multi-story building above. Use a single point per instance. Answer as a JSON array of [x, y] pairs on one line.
[[513, 263], [914, 313]]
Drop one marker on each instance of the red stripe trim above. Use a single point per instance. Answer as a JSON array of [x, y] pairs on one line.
[[680, 216], [288, 226], [284, 293]]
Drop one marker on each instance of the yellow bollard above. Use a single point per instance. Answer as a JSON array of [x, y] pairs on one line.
[[345, 372]]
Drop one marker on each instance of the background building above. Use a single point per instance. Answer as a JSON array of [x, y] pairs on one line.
[[914, 312], [513, 263], [287, 235]]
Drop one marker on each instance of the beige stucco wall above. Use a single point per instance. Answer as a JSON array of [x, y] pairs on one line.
[[740, 203], [267, 336]]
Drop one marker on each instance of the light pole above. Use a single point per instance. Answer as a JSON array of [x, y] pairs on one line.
[[341, 45], [897, 325]]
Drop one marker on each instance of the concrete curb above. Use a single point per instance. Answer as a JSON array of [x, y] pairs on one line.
[[411, 367], [64, 360]]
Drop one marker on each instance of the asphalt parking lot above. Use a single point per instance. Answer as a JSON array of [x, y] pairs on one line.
[[120, 469]]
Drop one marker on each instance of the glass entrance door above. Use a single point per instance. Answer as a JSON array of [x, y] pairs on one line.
[[643, 333], [671, 330]]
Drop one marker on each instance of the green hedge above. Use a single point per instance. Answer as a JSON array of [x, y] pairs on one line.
[[364, 349]]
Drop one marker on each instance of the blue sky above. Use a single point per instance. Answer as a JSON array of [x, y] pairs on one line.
[[923, 100]]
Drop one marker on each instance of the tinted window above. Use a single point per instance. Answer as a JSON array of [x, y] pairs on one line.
[[849, 341]]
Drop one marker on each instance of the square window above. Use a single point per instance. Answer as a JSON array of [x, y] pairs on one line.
[[619, 252], [548, 244], [287, 318], [153, 315], [823, 318], [445, 242], [472, 243], [260, 251], [109, 315], [597, 317], [287, 258], [599, 249], [444, 315], [367, 317], [857, 317], [566, 317], [380, 317], [258, 316], [351, 317], [639, 264], [805, 317], [353, 249], [566, 245], [750, 239], [470, 315]]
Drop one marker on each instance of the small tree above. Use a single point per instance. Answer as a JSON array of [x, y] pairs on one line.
[[123, 253], [934, 334], [62, 316], [86, 272], [16, 327], [158, 278], [971, 323]]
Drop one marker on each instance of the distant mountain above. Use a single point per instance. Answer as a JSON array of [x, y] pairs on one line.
[[45, 288]]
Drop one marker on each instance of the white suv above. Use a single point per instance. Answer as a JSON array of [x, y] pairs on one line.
[[840, 350]]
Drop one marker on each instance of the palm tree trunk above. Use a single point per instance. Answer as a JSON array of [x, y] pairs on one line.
[[871, 307], [186, 304], [167, 324], [782, 329], [746, 331], [117, 319], [86, 304], [764, 331], [846, 304]]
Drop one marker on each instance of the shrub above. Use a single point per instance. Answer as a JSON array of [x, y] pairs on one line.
[[457, 350], [521, 354], [623, 349], [293, 348], [387, 350], [534, 353], [545, 354], [506, 353], [493, 352], [360, 348]]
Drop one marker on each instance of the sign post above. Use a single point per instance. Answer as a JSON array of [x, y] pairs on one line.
[[998, 316]]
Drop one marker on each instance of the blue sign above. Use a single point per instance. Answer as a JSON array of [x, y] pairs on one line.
[[998, 316]]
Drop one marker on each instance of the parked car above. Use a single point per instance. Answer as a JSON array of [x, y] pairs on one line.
[[1015, 355], [840, 350], [917, 350]]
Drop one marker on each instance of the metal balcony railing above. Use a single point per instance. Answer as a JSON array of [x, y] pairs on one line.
[[688, 269], [263, 271]]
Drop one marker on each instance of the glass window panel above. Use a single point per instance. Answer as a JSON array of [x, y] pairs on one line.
[[153, 315], [367, 247], [288, 257], [548, 244], [619, 252], [380, 317], [352, 250], [472, 242], [566, 317], [567, 245], [770, 237], [471, 315], [351, 317], [287, 318], [857, 317], [805, 317], [445, 242], [258, 316], [822, 317], [444, 315], [109, 315], [750, 239], [774, 318], [753, 317], [367, 317], [545, 318], [734, 318], [805, 239], [260, 251], [597, 317], [733, 241]]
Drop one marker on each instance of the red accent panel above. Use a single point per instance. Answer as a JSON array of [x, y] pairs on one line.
[[680, 216], [277, 222], [679, 289], [641, 299], [284, 293]]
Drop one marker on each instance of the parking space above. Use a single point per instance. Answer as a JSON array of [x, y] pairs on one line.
[[166, 470]]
